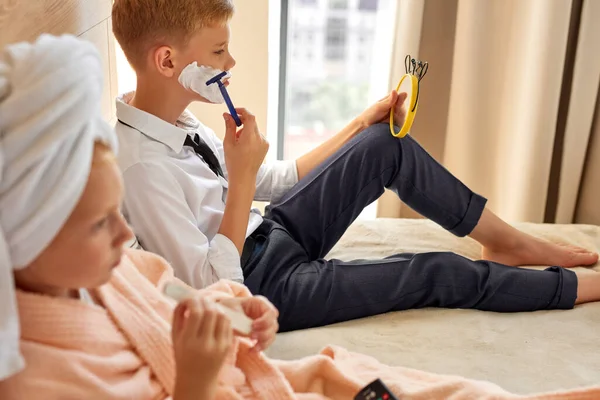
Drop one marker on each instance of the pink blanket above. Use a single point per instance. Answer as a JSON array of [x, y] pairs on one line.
[[123, 351]]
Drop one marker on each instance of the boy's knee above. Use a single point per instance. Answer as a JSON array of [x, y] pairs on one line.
[[380, 130], [379, 138]]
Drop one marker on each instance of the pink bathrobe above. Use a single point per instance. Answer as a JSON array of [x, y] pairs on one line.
[[123, 351]]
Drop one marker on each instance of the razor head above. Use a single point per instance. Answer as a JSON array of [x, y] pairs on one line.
[[216, 78]]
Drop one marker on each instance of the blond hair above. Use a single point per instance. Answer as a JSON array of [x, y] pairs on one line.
[[139, 25]]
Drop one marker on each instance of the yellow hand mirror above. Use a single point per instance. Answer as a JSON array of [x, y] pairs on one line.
[[409, 84]]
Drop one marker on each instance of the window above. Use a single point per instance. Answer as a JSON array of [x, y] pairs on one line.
[[338, 4], [368, 5], [329, 75], [335, 40]]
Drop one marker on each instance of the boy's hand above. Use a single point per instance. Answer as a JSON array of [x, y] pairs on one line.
[[380, 111], [202, 337], [245, 149], [264, 316]]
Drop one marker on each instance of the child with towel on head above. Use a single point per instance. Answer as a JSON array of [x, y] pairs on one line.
[[188, 195], [81, 320]]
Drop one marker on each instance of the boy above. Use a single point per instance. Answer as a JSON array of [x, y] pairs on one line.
[[188, 195]]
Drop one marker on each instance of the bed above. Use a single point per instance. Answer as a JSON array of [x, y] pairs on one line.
[[524, 352]]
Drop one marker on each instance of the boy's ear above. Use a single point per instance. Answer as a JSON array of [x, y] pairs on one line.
[[163, 61]]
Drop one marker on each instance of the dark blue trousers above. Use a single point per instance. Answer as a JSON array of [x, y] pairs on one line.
[[283, 259]]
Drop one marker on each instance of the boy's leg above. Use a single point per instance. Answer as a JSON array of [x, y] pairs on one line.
[[323, 292], [319, 209]]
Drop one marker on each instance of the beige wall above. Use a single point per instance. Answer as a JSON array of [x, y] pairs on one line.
[[249, 44], [89, 19]]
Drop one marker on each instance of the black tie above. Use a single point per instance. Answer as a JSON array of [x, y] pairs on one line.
[[201, 149]]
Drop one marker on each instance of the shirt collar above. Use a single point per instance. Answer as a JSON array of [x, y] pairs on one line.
[[155, 128]]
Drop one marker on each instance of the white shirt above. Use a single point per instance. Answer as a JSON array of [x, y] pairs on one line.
[[173, 200]]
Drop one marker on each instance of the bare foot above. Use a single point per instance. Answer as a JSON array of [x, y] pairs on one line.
[[588, 288], [529, 250]]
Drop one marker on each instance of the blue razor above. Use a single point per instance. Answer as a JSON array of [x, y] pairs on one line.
[[223, 89]]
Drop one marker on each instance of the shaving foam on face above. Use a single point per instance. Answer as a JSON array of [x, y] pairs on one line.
[[194, 78]]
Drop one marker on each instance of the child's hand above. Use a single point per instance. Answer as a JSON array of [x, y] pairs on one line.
[[264, 316], [202, 337], [380, 111], [245, 149]]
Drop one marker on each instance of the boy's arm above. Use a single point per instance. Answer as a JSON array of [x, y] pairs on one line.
[[377, 113], [317, 156], [273, 180], [239, 199], [237, 209], [161, 218]]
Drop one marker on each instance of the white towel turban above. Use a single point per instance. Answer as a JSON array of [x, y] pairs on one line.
[[49, 121]]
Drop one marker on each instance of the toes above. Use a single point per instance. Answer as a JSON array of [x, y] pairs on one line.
[[576, 249], [583, 250], [584, 258], [574, 256]]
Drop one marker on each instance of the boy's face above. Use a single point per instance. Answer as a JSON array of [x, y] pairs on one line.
[[210, 47]]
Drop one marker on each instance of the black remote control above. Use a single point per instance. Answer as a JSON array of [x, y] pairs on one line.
[[376, 390]]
